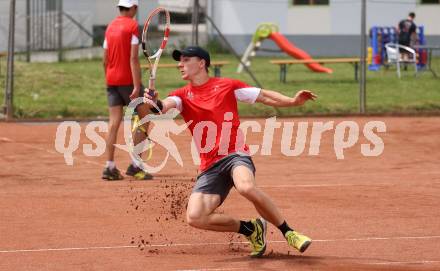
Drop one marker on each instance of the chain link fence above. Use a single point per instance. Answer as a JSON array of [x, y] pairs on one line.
[[38, 22]]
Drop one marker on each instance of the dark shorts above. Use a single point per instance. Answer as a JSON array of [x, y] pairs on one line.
[[120, 95], [218, 178]]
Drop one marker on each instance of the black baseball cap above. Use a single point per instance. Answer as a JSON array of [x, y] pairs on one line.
[[193, 51]]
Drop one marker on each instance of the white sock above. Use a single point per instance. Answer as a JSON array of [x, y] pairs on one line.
[[110, 164]]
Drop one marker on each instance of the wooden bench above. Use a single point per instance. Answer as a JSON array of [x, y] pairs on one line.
[[283, 64], [217, 65]]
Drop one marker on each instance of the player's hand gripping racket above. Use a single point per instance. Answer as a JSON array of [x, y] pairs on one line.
[[154, 39]]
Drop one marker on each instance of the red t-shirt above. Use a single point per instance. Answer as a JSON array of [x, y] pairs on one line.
[[210, 107], [118, 37]]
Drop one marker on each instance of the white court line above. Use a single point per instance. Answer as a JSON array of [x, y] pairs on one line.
[[379, 238], [373, 263], [407, 262], [325, 185], [217, 244], [64, 249], [215, 269]]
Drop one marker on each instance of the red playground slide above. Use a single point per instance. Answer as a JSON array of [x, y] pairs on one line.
[[295, 52]]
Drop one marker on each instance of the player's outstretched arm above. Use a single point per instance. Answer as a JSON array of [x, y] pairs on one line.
[[168, 103], [273, 98], [163, 105]]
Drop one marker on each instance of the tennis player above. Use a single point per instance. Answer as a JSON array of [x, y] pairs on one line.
[[123, 78], [209, 101]]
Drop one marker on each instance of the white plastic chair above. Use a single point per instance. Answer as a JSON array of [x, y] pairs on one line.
[[395, 56]]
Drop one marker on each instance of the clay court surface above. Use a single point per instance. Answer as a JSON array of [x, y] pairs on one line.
[[364, 213]]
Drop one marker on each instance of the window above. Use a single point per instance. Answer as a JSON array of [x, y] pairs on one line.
[[310, 2]]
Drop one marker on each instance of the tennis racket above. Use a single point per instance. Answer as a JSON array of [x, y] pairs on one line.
[[154, 39]]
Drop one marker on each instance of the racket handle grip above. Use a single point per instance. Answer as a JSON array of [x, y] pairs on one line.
[[151, 92]]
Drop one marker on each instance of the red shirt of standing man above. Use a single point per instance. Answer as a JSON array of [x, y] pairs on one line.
[[123, 78]]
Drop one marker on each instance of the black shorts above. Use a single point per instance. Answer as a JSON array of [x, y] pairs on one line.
[[120, 95], [218, 178]]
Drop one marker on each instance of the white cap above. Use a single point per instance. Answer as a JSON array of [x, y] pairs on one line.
[[128, 3]]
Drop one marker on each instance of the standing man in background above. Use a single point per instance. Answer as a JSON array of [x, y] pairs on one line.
[[407, 30], [123, 78]]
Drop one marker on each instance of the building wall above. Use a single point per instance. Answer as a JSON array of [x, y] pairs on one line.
[[337, 25], [4, 22], [242, 17], [343, 18], [429, 16], [308, 20], [106, 10], [88, 13], [346, 15], [82, 11], [145, 7], [181, 6], [334, 30]]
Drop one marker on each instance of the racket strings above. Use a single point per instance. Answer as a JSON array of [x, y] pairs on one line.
[[154, 33]]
